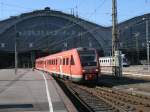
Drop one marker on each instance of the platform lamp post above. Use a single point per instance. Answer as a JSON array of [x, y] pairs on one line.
[[147, 42], [16, 50], [137, 45], [17, 34]]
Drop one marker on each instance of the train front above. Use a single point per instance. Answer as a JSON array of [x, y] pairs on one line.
[[89, 63]]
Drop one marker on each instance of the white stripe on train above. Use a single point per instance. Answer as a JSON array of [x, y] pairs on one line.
[[70, 75]]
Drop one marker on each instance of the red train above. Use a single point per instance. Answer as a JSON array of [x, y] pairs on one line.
[[78, 65]]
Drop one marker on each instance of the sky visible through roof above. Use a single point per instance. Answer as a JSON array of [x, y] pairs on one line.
[[97, 11]]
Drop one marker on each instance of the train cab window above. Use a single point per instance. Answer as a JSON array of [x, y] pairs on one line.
[[67, 61], [63, 61], [72, 61]]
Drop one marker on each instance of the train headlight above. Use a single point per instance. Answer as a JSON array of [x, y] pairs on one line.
[[96, 70], [83, 70]]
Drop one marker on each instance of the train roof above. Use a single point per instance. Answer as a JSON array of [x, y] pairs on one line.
[[68, 51], [62, 52], [42, 58]]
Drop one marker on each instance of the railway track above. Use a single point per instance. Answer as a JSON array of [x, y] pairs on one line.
[[99, 99]]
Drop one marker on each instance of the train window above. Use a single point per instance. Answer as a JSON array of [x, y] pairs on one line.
[[60, 61], [72, 61], [56, 61], [63, 61], [67, 61]]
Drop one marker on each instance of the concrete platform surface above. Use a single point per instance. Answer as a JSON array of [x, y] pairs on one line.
[[26, 92]]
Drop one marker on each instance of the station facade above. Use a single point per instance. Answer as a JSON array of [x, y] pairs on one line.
[[44, 32]]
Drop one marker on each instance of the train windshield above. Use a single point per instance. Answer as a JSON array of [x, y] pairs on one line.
[[88, 58]]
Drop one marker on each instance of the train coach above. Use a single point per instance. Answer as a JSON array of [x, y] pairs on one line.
[[109, 61], [78, 65]]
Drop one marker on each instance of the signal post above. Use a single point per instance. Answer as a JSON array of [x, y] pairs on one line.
[[116, 53]]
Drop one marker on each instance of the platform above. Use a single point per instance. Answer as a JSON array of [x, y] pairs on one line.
[[26, 91], [135, 71]]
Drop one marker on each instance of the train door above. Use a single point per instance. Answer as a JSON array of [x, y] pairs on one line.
[[60, 66], [68, 67], [44, 65]]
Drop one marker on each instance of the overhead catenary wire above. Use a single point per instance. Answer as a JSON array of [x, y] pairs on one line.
[[67, 38], [71, 25], [79, 21], [74, 23]]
